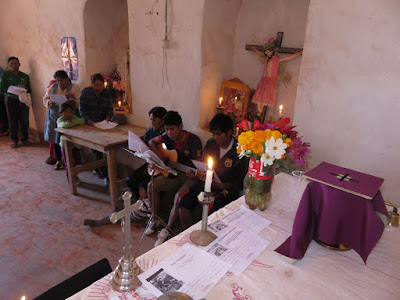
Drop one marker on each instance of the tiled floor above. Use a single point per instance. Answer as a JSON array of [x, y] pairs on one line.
[[42, 237]]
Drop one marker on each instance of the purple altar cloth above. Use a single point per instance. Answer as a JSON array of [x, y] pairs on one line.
[[336, 217]]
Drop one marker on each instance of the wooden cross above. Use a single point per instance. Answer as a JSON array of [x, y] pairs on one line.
[[278, 48], [125, 215]]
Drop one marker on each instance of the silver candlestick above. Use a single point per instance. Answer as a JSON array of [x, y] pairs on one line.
[[203, 237], [124, 278]]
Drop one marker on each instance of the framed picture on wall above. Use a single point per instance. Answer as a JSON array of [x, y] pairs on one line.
[[234, 99]]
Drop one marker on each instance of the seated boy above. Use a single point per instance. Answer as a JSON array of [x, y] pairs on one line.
[[157, 128], [230, 169], [188, 146]]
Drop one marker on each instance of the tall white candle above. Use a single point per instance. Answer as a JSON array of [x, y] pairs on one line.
[[220, 101], [280, 110], [209, 176]]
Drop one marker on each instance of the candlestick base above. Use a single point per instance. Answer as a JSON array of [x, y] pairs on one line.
[[202, 238], [124, 278]]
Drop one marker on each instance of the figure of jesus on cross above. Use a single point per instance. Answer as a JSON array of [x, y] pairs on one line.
[[265, 94]]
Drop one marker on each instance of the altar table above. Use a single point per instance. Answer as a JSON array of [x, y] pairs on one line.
[[321, 274], [105, 141]]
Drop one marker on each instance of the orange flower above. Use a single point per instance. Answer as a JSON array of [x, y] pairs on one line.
[[257, 148], [276, 134]]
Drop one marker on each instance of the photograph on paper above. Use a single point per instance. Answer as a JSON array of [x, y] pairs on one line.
[[165, 282]]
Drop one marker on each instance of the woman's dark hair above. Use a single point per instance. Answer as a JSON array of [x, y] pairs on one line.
[[61, 74], [158, 112], [221, 122], [11, 58], [96, 77], [172, 118], [64, 106]]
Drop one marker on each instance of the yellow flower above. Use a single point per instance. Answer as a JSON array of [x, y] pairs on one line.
[[267, 134], [276, 134], [288, 141], [245, 138]]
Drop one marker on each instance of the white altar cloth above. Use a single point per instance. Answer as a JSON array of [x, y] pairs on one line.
[[321, 274]]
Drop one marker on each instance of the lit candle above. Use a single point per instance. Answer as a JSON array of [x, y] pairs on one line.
[[105, 83], [237, 130], [23, 298], [119, 104], [280, 110], [209, 176], [220, 101], [235, 99]]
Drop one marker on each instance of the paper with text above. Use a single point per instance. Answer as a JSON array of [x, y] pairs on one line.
[[189, 270]]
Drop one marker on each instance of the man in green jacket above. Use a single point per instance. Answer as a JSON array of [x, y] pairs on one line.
[[17, 112]]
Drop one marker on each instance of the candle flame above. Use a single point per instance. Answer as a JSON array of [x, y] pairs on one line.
[[164, 146], [105, 83], [280, 107], [119, 103], [210, 163], [220, 100], [23, 298]]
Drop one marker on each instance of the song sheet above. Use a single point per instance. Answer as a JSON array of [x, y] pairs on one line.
[[105, 125], [189, 270], [238, 242], [57, 99], [202, 166], [22, 94]]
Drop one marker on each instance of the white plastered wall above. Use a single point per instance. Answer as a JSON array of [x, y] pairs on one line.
[[348, 99]]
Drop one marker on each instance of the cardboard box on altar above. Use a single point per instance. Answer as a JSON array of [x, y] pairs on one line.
[[356, 183]]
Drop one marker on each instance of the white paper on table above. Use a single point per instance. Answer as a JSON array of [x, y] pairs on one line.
[[238, 247], [202, 166], [57, 99], [105, 125], [189, 270], [240, 218]]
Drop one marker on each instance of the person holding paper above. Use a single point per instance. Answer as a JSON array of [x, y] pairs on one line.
[[61, 86], [156, 115], [226, 164], [17, 112], [95, 106], [188, 146]]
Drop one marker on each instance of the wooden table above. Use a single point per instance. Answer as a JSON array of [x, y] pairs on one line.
[[105, 141]]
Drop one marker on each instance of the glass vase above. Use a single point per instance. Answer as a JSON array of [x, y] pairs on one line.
[[258, 191]]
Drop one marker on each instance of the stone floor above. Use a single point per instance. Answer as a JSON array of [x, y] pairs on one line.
[[42, 237]]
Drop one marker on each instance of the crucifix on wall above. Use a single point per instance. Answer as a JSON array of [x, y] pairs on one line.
[[265, 94]]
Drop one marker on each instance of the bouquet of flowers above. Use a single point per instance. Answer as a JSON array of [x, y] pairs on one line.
[[273, 143], [268, 145], [113, 83]]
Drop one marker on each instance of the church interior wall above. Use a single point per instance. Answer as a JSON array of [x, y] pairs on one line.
[[169, 78], [218, 43], [348, 96], [258, 21]]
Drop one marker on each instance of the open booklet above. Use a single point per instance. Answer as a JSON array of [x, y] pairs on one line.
[[141, 150]]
